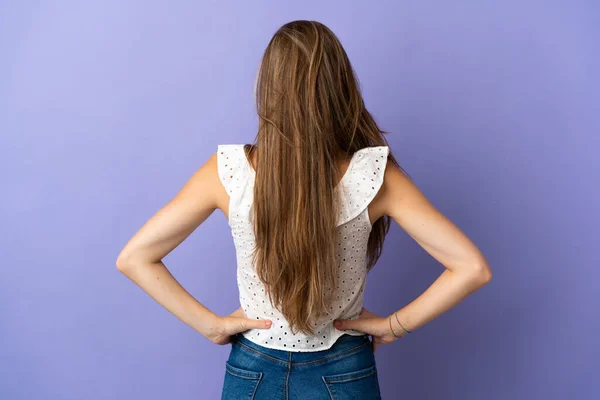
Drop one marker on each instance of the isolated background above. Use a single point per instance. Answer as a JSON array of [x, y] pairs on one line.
[[107, 108]]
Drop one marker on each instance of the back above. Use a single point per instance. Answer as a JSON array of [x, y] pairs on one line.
[[357, 188]]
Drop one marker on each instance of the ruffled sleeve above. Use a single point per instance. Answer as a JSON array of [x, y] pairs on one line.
[[231, 161], [362, 181]]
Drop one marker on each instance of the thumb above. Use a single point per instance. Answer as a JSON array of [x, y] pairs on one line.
[[248, 323], [356, 324]]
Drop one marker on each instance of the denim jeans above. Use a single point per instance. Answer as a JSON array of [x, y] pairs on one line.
[[346, 370]]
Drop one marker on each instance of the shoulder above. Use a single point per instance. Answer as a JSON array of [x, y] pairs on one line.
[[207, 173], [400, 196], [221, 166], [231, 166]]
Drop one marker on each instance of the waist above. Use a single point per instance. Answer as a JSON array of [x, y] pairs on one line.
[[344, 344]]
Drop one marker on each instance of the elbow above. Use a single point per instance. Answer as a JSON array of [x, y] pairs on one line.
[[476, 271], [482, 273], [129, 261], [123, 262]]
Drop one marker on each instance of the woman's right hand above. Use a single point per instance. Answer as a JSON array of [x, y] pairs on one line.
[[371, 324]]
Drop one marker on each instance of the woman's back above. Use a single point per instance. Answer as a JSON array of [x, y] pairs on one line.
[[356, 189]]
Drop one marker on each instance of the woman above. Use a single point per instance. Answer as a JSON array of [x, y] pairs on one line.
[[309, 205]]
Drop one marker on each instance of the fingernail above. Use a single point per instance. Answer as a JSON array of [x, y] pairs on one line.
[[267, 323]]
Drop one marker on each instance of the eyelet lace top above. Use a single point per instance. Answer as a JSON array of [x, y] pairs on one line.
[[357, 188]]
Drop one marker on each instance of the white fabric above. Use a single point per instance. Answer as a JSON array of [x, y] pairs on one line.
[[357, 188]]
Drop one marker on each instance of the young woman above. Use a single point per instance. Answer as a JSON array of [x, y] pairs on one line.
[[309, 204]]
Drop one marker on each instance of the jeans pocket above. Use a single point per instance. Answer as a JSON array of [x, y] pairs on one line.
[[240, 384], [362, 384]]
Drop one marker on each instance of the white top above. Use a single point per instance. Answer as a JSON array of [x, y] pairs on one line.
[[356, 190]]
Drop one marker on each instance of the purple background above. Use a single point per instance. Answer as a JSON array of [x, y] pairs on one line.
[[107, 108]]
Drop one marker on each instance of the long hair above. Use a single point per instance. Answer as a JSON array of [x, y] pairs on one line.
[[311, 116]]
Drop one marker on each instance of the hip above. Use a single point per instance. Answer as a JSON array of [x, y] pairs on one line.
[[344, 370]]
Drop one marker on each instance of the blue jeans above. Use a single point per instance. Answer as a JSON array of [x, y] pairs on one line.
[[346, 370]]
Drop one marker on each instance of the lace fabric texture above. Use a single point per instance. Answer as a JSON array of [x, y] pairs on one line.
[[356, 190]]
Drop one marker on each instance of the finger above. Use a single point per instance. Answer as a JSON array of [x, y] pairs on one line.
[[373, 344], [248, 323], [355, 324]]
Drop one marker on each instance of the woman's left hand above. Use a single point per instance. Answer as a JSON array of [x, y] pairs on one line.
[[234, 323]]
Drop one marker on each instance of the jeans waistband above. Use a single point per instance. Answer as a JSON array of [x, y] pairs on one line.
[[344, 344]]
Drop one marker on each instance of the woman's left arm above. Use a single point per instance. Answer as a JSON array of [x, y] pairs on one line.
[[141, 258]]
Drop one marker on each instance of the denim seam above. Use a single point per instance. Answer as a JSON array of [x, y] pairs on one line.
[[256, 386], [277, 360], [349, 379], [327, 386], [252, 378], [287, 375]]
